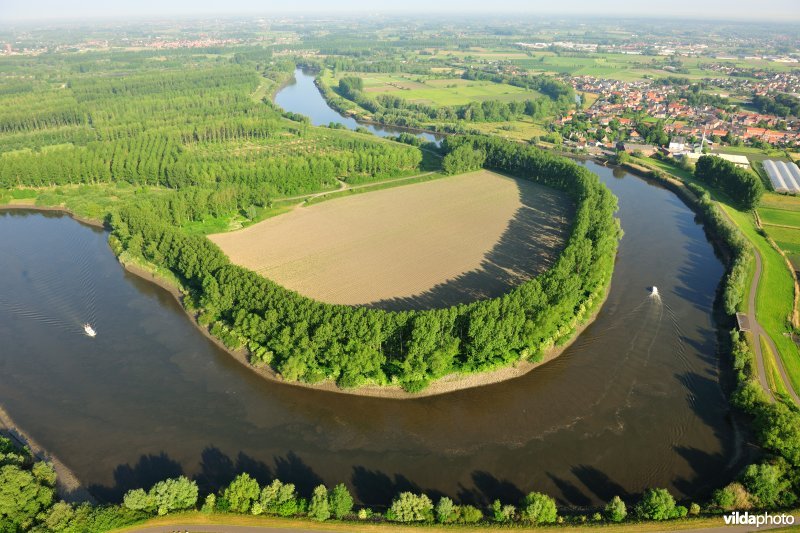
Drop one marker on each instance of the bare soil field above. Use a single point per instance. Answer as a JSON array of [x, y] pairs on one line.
[[426, 245]]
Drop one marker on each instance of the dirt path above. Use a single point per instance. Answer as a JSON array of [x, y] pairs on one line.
[[686, 527], [345, 187]]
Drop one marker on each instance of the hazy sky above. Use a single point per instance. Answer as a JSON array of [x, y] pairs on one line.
[[783, 10]]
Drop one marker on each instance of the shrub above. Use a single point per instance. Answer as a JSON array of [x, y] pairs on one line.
[[470, 514], [445, 510], [319, 509], [341, 502], [280, 498], [538, 508], [656, 504], [733, 496], [410, 507], [210, 505], [615, 510], [768, 484], [138, 500], [241, 493], [694, 509], [503, 513]]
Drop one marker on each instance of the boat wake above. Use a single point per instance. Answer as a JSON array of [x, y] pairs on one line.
[[47, 298]]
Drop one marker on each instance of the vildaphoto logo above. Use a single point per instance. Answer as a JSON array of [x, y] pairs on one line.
[[758, 520]]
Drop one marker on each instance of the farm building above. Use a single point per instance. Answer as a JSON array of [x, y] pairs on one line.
[[785, 177]]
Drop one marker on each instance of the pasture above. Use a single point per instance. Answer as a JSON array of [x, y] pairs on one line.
[[780, 217], [429, 90], [426, 245]]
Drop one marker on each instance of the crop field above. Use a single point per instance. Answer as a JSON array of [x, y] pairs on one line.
[[624, 66], [437, 91], [430, 244], [780, 216], [521, 130]]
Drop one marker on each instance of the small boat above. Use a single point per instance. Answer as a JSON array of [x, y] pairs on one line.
[[89, 330], [654, 291]]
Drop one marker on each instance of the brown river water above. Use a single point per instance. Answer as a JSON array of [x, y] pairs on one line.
[[635, 402]]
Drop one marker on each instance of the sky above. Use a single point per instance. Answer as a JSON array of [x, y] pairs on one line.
[[31, 10]]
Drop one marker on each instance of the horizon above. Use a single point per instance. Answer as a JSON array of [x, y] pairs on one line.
[[17, 11]]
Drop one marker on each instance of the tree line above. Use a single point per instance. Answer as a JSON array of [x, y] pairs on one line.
[[310, 341], [28, 502], [744, 187]]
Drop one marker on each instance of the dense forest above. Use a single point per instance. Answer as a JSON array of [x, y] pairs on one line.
[[311, 341], [744, 187], [201, 139], [198, 129]]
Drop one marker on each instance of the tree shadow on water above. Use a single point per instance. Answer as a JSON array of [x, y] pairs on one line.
[[217, 470], [487, 488], [602, 486], [374, 488], [147, 471]]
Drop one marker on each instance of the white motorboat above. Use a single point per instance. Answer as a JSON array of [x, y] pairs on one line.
[[89, 330], [654, 291]]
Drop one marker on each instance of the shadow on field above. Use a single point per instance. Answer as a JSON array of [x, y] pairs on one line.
[[530, 244]]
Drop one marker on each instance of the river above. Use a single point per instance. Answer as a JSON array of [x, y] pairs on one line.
[[302, 93], [635, 402]]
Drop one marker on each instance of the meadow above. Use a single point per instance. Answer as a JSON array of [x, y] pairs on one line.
[[780, 217], [452, 240], [437, 91]]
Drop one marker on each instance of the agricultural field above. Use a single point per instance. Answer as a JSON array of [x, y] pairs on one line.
[[625, 67], [420, 89], [780, 217], [430, 244], [520, 130]]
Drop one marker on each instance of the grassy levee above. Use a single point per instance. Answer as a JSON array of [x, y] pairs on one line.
[[775, 291], [774, 299], [773, 375], [200, 519]]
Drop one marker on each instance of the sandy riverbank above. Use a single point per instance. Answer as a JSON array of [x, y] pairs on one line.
[[67, 484], [444, 385]]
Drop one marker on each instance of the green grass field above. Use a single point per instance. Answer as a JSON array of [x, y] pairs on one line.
[[429, 90], [780, 216], [774, 299], [522, 130]]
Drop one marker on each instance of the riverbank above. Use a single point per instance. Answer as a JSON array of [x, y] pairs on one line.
[[53, 209], [68, 486], [444, 385]]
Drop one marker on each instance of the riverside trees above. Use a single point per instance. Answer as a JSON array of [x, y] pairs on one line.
[[311, 341]]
